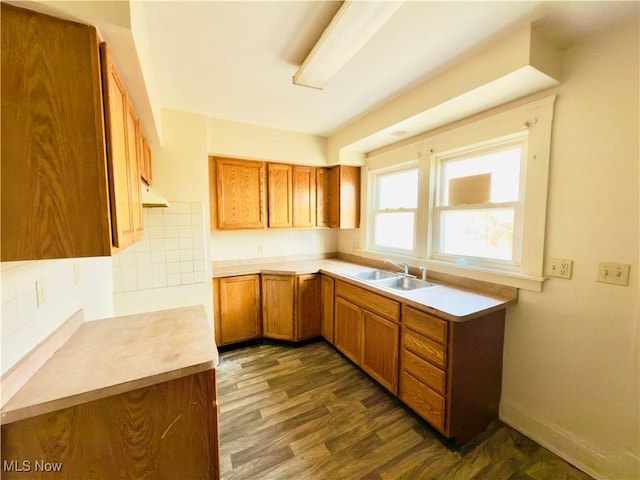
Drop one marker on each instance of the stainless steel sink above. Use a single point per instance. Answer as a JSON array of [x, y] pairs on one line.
[[403, 284], [374, 275]]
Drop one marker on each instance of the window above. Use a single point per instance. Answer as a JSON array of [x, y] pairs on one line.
[[395, 206], [478, 206]]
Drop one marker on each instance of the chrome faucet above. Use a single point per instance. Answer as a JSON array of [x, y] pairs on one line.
[[404, 267]]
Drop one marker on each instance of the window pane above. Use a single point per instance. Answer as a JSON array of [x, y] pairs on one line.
[[398, 190], [395, 230], [486, 233], [498, 171]]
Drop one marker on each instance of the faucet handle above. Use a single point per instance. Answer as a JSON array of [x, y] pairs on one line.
[[423, 273]]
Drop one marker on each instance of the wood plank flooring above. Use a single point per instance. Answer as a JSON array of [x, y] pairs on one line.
[[307, 413]]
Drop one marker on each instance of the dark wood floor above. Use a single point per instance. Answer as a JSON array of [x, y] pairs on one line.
[[307, 413]]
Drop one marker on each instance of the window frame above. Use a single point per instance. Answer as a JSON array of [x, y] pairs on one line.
[[374, 211], [438, 161]]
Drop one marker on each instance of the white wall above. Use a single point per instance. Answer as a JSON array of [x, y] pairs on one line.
[[571, 377], [25, 324]]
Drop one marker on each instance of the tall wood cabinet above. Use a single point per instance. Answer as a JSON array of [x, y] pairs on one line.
[[236, 309], [59, 197]]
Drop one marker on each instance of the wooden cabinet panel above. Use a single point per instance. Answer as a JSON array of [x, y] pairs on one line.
[[54, 187], [162, 432], [134, 154], [344, 197], [348, 329], [308, 310], [237, 309], [327, 288], [426, 324], [323, 204], [376, 303], [146, 162], [280, 195], [278, 309], [380, 352], [240, 193], [423, 400], [424, 371], [425, 348], [304, 196]]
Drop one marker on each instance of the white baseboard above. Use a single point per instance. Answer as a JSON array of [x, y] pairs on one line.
[[613, 465]]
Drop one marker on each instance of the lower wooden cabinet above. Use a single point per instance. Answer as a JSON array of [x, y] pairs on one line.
[[291, 307], [326, 291], [369, 339], [237, 309], [164, 431]]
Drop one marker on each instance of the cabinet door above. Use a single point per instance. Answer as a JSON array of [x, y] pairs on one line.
[[304, 196], [145, 161], [344, 197], [122, 216], [54, 188], [327, 289], [278, 311], [280, 194], [240, 194], [348, 329], [237, 317], [308, 315], [134, 153], [380, 351], [322, 197]]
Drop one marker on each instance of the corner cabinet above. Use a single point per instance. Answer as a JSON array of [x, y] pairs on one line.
[[236, 309], [291, 307], [59, 197], [338, 197]]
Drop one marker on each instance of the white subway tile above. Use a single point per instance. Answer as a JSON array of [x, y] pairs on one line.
[[145, 282], [172, 244], [186, 267], [170, 219], [184, 219], [197, 207], [186, 278], [173, 267], [186, 254], [173, 279], [158, 257], [173, 256], [184, 207]]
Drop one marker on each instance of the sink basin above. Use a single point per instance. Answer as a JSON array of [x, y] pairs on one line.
[[403, 284], [372, 275]]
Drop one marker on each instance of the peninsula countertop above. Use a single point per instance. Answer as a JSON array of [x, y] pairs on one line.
[[115, 355], [448, 301]]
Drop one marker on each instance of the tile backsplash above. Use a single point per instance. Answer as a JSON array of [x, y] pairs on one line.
[[172, 251]]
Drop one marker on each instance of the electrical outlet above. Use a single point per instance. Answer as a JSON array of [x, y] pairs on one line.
[[40, 296], [614, 273], [560, 268]]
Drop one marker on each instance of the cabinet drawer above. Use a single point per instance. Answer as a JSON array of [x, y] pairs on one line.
[[424, 371], [378, 304], [426, 324], [425, 348], [423, 400]]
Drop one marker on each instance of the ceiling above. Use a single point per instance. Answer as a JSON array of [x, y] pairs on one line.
[[235, 60]]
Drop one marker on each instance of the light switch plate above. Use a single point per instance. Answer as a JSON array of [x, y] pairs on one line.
[[614, 273]]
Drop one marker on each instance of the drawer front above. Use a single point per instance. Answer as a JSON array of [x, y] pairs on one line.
[[423, 400], [425, 348], [378, 304], [424, 371], [427, 325]]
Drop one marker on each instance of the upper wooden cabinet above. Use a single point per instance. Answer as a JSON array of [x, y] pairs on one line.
[[323, 204], [145, 161], [237, 193], [58, 200], [304, 196], [280, 193], [344, 197]]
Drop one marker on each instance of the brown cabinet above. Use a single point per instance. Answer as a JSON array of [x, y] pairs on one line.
[[238, 200], [146, 162], [304, 196], [280, 193], [291, 306], [367, 331], [327, 289], [452, 371], [237, 309], [322, 197], [60, 199], [344, 197]]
